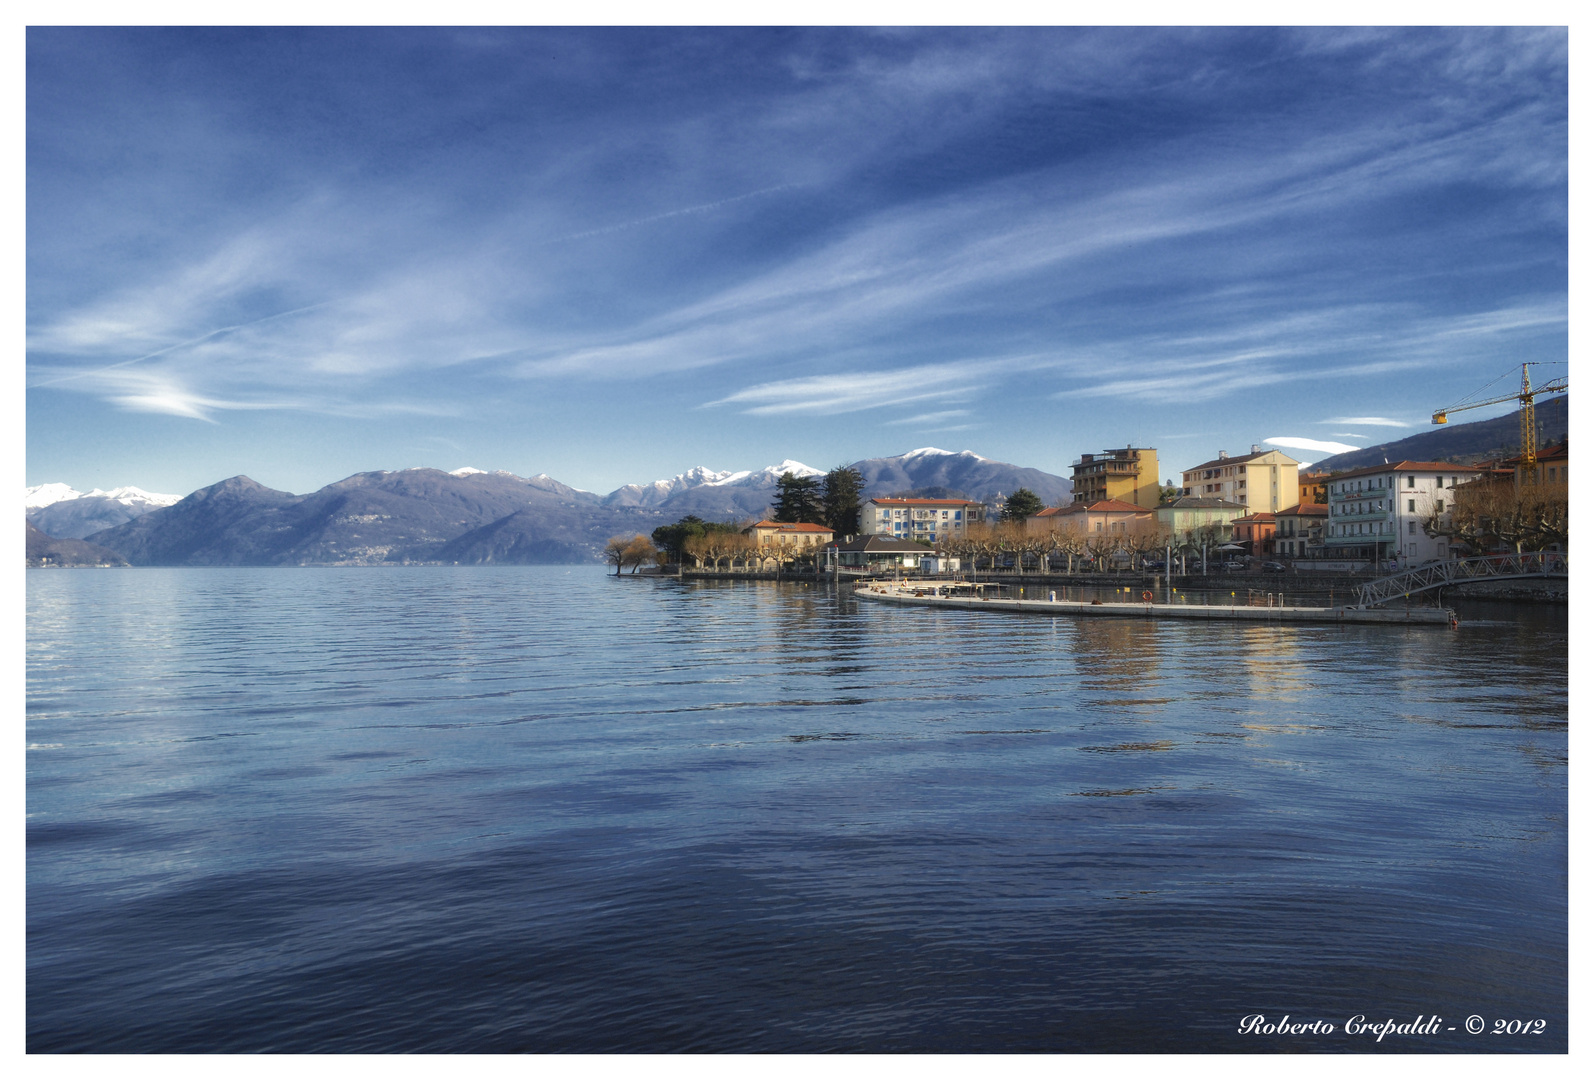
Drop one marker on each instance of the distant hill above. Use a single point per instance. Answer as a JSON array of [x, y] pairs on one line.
[[46, 550], [1461, 443], [369, 519], [983, 478]]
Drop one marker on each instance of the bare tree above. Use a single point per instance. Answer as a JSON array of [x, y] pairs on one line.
[[1490, 514], [1068, 541], [1101, 545], [1144, 537], [614, 551]]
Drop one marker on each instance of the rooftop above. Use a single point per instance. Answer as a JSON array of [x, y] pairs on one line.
[[1240, 459], [790, 526], [1101, 506], [1406, 466]]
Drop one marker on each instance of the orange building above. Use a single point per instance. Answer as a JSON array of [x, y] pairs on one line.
[[1256, 532], [1314, 488]]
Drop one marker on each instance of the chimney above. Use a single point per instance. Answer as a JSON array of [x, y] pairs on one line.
[[1255, 449], [1223, 455]]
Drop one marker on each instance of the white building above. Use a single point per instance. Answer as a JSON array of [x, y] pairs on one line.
[[934, 520], [1380, 512]]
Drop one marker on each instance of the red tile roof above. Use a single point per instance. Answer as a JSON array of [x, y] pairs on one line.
[[1553, 452], [790, 526], [1406, 466], [1306, 509], [1104, 506]]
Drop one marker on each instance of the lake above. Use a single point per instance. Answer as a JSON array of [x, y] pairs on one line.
[[539, 809]]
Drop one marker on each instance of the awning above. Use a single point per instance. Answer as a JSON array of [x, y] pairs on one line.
[[1233, 547]]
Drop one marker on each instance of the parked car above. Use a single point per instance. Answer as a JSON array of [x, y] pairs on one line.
[[1275, 567], [1234, 564], [1154, 564]]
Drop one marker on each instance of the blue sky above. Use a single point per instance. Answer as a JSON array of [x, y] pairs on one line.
[[610, 255]]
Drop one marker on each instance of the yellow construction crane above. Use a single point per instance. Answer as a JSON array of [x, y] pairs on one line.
[[1530, 439]]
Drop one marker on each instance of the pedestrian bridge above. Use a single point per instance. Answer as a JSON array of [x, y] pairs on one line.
[[1441, 575]]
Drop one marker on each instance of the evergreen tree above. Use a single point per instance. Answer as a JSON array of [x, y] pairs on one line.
[[1022, 504], [797, 499], [843, 490]]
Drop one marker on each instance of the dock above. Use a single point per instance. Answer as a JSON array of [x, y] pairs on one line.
[[972, 597]]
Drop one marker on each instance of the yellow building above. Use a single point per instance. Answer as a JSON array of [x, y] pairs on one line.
[[1128, 476], [788, 534], [1263, 480]]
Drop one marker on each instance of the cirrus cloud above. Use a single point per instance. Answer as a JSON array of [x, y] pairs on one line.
[[1291, 442]]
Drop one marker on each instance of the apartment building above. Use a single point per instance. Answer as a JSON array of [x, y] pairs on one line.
[[932, 520], [1128, 475], [1263, 480], [1380, 512]]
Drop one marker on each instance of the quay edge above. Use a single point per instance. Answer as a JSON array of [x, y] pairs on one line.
[[1211, 612]]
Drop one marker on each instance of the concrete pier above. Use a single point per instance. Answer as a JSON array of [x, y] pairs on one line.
[[932, 594]]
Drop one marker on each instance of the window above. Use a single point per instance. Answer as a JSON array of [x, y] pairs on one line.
[[1411, 481], [1411, 506], [1439, 507], [1411, 528]]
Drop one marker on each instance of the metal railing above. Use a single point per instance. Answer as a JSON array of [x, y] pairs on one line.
[[1441, 575]]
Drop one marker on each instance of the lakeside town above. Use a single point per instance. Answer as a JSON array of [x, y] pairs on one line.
[[1257, 513]]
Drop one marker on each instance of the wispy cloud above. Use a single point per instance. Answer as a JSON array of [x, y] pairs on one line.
[[929, 418], [1291, 442], [861, 390], [1369, 421]]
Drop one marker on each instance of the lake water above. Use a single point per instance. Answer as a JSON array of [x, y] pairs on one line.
[[540, 809]]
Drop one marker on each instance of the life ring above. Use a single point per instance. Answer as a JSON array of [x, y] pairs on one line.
[[1147, 597]]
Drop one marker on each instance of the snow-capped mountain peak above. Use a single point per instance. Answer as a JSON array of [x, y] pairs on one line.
[[468, 471], [50, 494], [931, 451], [43, 495]]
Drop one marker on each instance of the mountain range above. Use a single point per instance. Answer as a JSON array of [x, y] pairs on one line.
[[471, 516]]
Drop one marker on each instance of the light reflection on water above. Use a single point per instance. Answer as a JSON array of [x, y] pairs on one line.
[[540, 809]]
